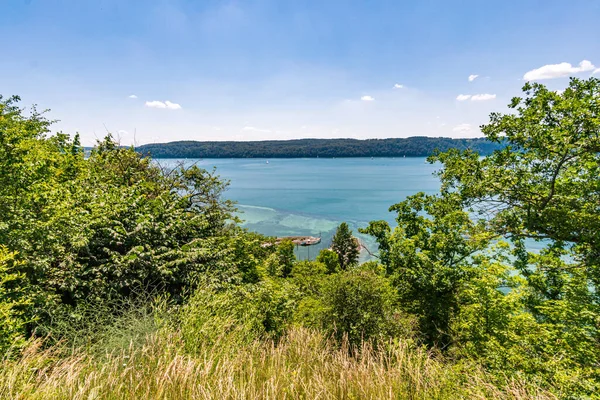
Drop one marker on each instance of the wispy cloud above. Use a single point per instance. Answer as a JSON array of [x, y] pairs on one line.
[[472, 77], [398, 86], [166, 105], [475, 97], [596, 71], [462, 128], [367, 98], [483, 97], [552, 71], [133, 96]]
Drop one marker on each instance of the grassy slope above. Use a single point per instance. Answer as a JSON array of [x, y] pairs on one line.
[[302, 365]]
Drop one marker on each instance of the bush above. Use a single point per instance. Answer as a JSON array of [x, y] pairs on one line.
[[309, 277], [357, 304], [13, 301], [330, 259], [111, 226], [281, 262], [234, 316]]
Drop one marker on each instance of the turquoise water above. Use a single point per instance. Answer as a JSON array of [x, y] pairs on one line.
[[312, 196]]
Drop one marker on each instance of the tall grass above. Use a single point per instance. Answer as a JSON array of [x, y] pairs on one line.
[[303, 364]]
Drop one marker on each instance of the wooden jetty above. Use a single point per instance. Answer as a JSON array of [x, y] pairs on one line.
[[300, 240]]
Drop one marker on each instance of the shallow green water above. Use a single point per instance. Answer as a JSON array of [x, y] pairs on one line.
[[312, 196]]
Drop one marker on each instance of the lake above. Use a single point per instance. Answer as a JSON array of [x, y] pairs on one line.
[[312, 196]]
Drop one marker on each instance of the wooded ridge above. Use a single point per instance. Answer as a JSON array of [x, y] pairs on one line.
[[416, 146]]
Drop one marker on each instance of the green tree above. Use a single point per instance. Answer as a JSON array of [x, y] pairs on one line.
[[360, 305], [286, 257], [330, 259], [543, 186], [281, 263], [345, 246], [111, 225], [428, 257], [309, 276]]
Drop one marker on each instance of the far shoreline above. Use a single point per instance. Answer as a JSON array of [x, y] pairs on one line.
[[416, 146]]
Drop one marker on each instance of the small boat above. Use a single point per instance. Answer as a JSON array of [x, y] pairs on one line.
[[267, 161]]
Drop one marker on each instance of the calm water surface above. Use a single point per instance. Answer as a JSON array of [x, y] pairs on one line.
[[312, 196]]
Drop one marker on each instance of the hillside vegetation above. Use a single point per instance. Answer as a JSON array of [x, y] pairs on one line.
[[417, 146], [122, 280]]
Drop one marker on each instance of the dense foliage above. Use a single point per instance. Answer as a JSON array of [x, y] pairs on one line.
[[108, 226], [515, 310], [416, 146], [457, 294]]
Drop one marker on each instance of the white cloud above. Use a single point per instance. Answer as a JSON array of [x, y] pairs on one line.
[[552, 71], [472, 77], [586, 65], [133, 96], [596, 71], [122, 132], [483, 97], [155, 104], [253, 129], [475, 97], [367, 98], [172, 106], [398, 86], [159, 104], [462, 128]]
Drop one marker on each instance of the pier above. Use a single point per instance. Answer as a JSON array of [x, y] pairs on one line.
[[300, 240]]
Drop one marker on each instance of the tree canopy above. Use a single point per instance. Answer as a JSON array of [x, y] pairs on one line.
[[462, 260], [345, 245], [108, 226]]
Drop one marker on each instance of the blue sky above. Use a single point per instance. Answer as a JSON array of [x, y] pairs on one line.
[[247, 70]]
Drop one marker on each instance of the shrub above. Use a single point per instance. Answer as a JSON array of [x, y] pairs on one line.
[[236, 315], [330, 259], [357, 304], [13, 300]]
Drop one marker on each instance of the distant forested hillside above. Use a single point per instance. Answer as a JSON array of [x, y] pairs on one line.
[[417, 146]]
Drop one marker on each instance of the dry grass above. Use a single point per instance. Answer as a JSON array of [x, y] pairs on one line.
[[302, 365]]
